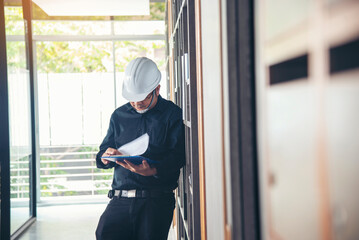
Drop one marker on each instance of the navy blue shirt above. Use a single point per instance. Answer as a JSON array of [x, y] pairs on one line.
[[163, 123]]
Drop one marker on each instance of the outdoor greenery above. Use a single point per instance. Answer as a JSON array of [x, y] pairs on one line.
[[19, 183], [82, 57], [16, 55], [79, 56]]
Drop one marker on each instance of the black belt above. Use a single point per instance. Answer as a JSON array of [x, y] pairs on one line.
[[138, 193]]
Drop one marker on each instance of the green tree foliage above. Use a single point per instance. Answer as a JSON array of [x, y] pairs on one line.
[[78, 56], [72, 57], [16, 55]]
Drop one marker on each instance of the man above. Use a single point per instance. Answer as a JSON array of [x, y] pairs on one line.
[[142, 195]]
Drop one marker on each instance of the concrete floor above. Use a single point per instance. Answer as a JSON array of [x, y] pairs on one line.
[[75, 222], [65, 222]]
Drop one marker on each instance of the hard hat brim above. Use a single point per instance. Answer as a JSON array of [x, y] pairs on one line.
[[134, 97]]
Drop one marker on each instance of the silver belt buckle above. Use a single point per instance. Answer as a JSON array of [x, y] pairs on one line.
[[131, 193], [117, 193]]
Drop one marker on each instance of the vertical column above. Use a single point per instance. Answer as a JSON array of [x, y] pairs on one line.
[[27, 6], [4, 134]]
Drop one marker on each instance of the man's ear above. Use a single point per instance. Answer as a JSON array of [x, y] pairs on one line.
[[158, 90]]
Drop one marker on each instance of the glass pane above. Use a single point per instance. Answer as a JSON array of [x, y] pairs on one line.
[[139, 27], [76, 99], [84, 71], [43, 27], [72, 27], [19, 117]]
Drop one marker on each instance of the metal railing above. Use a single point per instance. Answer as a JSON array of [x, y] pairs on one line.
[[64, 171]]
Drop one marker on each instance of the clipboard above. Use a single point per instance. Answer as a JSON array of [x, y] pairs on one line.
[[137, 160]]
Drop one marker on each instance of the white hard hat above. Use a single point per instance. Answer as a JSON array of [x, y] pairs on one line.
[[141, 77]]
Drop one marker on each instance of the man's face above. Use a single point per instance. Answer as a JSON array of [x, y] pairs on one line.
[[142, 105]]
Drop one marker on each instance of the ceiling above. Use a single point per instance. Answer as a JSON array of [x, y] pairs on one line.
[[94, 7]]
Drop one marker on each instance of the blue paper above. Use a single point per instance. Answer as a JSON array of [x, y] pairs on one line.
[[133, 159]]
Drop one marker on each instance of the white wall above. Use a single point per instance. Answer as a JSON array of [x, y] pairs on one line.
[[215, 115], [75, 108]]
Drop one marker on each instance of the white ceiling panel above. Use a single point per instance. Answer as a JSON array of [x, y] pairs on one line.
[[94, 7]]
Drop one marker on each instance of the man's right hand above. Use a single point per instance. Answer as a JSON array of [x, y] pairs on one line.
[[109, 152]]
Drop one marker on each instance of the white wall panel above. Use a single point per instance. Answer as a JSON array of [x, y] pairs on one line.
[[212, 114], [342, 104]]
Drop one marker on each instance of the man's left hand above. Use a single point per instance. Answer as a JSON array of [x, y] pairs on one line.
[[143, 169]]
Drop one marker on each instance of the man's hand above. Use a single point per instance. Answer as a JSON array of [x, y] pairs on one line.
[[143, 169], [109, 152]]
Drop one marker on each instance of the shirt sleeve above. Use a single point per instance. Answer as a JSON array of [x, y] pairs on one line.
[[107, 142], [174, 160]]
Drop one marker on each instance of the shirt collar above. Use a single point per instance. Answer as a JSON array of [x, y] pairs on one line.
[[160, 105]]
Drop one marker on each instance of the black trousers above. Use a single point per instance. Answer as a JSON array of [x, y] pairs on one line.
[[136, 218]]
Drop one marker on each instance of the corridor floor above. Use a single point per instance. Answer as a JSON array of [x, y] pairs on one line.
[[60, 222]]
